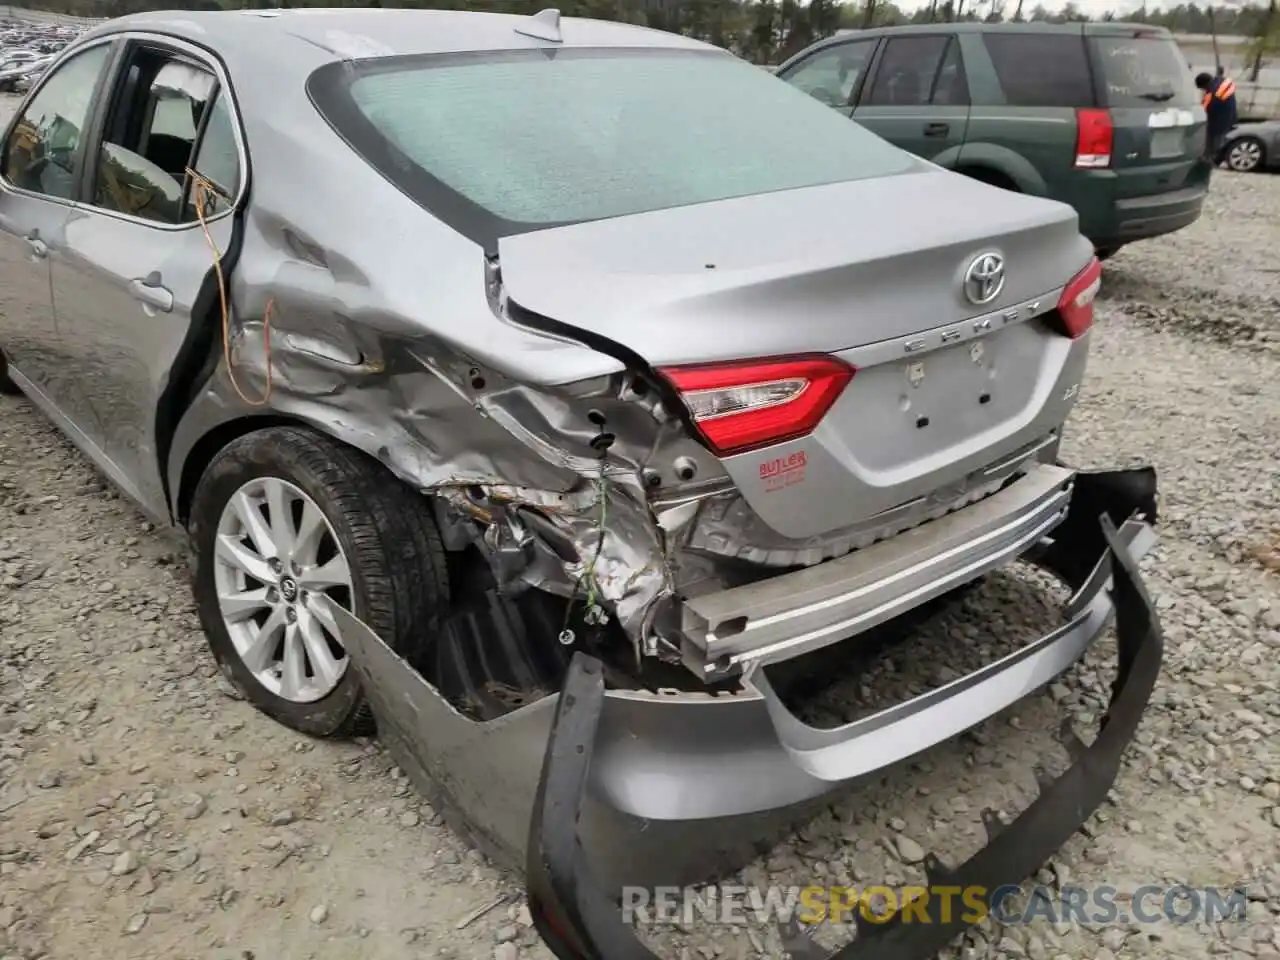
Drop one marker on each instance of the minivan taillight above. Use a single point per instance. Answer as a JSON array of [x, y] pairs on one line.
[[1095, 135], [742, 405], [1075, 306]]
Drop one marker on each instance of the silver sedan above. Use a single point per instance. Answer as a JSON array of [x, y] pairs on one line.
[[463, 345]]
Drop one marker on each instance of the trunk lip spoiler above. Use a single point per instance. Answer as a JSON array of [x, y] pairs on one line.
[[577, 919]]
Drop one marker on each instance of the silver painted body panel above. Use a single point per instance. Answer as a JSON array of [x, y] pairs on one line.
[[677, 757]]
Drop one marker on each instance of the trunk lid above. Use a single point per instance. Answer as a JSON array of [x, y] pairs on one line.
[[817, 269], [872, 271], [1155, 107]]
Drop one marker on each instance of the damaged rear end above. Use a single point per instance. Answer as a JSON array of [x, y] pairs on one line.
[[829, 386]]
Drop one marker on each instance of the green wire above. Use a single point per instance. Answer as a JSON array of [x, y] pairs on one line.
[[590, 573]]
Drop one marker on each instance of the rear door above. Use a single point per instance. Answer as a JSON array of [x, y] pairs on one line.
[[917, 97], [833, 74], [1141, 76], [139, 247]]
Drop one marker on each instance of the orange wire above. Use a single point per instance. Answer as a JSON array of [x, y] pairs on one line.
[[201, 185]]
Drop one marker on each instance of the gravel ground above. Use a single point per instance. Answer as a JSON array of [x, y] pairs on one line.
[[145, 812]]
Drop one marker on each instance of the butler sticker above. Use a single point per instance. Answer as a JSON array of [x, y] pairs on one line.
[[782, 472]]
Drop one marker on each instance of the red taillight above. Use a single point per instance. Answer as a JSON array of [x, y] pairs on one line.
[[1075, 307], [1095, 134], [742, 405]]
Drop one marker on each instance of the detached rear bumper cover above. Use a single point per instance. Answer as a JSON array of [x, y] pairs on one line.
[[578, 919]]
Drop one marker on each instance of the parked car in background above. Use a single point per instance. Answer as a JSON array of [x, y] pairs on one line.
[[18, 77], [1102, 116], [1252, 147]]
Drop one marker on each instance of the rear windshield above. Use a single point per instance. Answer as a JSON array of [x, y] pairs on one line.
[[1145, 71], [496, 144]]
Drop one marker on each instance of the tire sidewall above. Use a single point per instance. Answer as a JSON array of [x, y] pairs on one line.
[[237, 465]]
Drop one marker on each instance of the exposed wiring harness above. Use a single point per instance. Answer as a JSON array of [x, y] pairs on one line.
[[595, 615], [202, 190]]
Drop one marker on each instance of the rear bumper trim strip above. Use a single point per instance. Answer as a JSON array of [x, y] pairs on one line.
[[793, 614]]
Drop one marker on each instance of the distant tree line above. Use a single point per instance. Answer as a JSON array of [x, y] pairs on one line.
[[767, 31]]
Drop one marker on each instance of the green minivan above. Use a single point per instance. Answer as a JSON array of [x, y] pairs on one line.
[[1102, 116]]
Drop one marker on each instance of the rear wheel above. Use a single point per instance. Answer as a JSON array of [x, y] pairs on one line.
[[7, 386], [992, 177], [282, 518], [1246, 155]]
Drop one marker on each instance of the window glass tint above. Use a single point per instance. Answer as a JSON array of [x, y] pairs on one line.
[[1041, 70], [1145, 71], [830, 75], [142, 167], [217, 161], [906, 72], [40, 154], [951, 87], [534, 140]]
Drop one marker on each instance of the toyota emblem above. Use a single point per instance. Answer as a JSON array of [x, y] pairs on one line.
[[984, 279]]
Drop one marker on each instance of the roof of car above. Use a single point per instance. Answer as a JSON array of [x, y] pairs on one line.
[[1102, 28], [357, 33]]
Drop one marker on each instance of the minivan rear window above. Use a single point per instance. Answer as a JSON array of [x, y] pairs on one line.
[[506, 142], [1145, 72]]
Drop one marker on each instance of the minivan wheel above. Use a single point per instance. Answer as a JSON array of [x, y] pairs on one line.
[[284, 517], [1245, 155], [7, 386]]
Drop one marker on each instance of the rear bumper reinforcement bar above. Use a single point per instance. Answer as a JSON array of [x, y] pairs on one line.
[[791, 614], [578, 918]]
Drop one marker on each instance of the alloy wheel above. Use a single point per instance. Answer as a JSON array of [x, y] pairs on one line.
[[276, 556], [1244, 156]]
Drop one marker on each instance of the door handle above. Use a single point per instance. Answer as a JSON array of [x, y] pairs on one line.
[[152, 293], [38, 247], [937, 129]]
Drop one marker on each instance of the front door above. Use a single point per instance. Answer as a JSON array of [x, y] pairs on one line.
[[917, 97], [139, 249], [41, 159], [833, 75]]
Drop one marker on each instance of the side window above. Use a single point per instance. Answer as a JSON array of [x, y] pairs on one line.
[[217, 164], [831, 75], [951, 89], [150, 137], [1041, 70], [41, 152], [907, 71]]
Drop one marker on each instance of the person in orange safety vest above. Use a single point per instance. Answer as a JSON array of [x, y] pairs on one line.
[[1220, 107]]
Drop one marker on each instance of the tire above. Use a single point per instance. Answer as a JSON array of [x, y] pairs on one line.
[[1246, 155], [991, 178], [7, 386], [1106, 253], [398, 582]]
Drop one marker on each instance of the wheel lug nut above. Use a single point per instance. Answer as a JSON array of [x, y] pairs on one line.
[[272, 595], [291, 615], [274, 564]]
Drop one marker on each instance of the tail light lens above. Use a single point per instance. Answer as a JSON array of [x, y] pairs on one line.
[[1075, 308], [740, 406], [1095, 135]]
